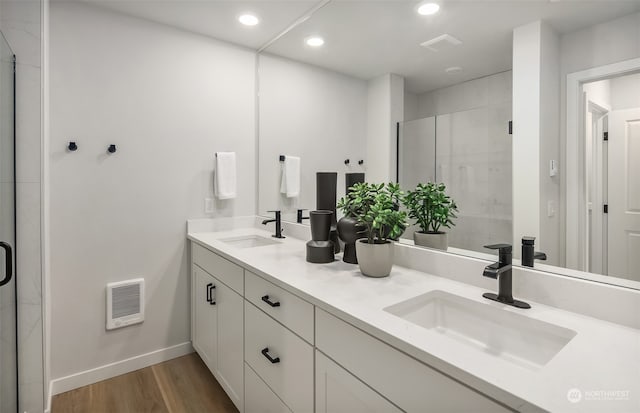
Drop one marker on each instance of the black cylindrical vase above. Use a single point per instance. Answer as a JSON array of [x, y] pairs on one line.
[[352, 178], [326, 183], [320, 224], [320, 248]]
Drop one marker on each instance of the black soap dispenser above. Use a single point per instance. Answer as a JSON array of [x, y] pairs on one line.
[[528, 252]]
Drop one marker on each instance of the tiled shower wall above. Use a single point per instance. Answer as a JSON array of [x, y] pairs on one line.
[[21, 23], [473, 155]]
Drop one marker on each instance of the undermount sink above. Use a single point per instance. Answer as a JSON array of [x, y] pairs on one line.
[[249, 241], [510, 336]]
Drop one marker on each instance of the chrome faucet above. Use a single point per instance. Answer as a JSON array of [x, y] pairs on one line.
[[278, 221], [502, 270]]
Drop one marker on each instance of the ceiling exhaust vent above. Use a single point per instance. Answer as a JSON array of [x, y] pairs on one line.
[[440, 43]]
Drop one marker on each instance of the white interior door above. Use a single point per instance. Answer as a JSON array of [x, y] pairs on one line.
[[624, 194]]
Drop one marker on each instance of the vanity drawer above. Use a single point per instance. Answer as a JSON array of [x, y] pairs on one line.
[[293, 312], [223, 269], [258, 396], [289, 373], [406, 382]]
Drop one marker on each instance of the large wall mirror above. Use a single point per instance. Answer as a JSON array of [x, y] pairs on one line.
[[456, 73]]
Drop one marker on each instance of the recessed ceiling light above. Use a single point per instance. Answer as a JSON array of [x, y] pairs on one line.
[[248, 20], [427, 9], [314, 41]]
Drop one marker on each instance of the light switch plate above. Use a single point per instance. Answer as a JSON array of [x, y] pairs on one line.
[[208, 205]]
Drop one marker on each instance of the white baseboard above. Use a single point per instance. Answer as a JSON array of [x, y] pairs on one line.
[[73, 381]]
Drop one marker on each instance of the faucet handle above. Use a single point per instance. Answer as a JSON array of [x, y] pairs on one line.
[[502, 247]]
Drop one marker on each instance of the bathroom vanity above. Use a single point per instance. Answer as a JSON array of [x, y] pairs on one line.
[[282, 334]]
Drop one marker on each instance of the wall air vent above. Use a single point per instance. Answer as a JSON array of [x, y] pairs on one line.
[[440, 43], [125, 303]]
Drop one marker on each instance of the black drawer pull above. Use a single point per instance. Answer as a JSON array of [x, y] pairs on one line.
[[271, 303], [265, 352], [210, 298]]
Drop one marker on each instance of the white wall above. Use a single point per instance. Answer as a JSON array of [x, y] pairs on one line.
[[536, 96], [385, 107], [168, 100], [599, 92], [477, 93], [550, 229], [310, 112], [21, 23], [625, 92], [526, 131], [410, 106]]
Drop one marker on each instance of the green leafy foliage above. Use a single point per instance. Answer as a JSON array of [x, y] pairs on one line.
[[376, 208], [431, 207]]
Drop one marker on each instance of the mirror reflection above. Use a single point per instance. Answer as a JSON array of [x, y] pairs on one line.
[[430, 99]]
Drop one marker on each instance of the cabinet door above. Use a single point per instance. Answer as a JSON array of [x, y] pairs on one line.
[[258, 396], [230, 342], [205, 323], [338, 391]]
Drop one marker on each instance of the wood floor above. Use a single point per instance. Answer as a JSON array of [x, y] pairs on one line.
[[181, 385]]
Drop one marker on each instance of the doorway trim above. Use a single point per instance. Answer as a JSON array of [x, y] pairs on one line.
[[575, 192]]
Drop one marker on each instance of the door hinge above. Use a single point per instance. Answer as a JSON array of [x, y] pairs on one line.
[[606, 136], [605, 208], [510, 127]]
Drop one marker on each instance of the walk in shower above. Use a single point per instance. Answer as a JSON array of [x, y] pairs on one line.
[[470, 152], [8, 309]]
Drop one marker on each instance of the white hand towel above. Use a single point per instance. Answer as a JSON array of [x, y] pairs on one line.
[[290, 185], [225, 175]]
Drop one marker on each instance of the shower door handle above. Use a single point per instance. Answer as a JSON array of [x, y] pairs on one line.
[[8, 263]]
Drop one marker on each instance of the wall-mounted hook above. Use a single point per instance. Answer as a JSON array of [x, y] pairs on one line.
[[112, 148], [72, 146], [360, 162], [347, 161]]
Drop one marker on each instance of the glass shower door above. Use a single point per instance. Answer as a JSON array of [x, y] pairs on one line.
[[8, 321]]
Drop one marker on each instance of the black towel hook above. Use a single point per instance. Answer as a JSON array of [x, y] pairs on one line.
[[72, 146], [111, 148]]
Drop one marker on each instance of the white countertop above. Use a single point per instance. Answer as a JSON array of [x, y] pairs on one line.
[[602, 357]]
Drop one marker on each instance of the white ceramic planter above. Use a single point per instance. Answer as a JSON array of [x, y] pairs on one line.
[[375, 260], [436, 240]]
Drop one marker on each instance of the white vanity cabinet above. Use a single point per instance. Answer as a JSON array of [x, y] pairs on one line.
[[204, 331], [337, 390], [274, 347], [273, 351], [217, 322], [409, 384]]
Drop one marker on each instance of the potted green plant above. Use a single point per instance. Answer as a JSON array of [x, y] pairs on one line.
[[433, 210], [376, 207]]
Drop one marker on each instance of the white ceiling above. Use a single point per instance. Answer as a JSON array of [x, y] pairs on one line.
[[216, 18], [369, 38]]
